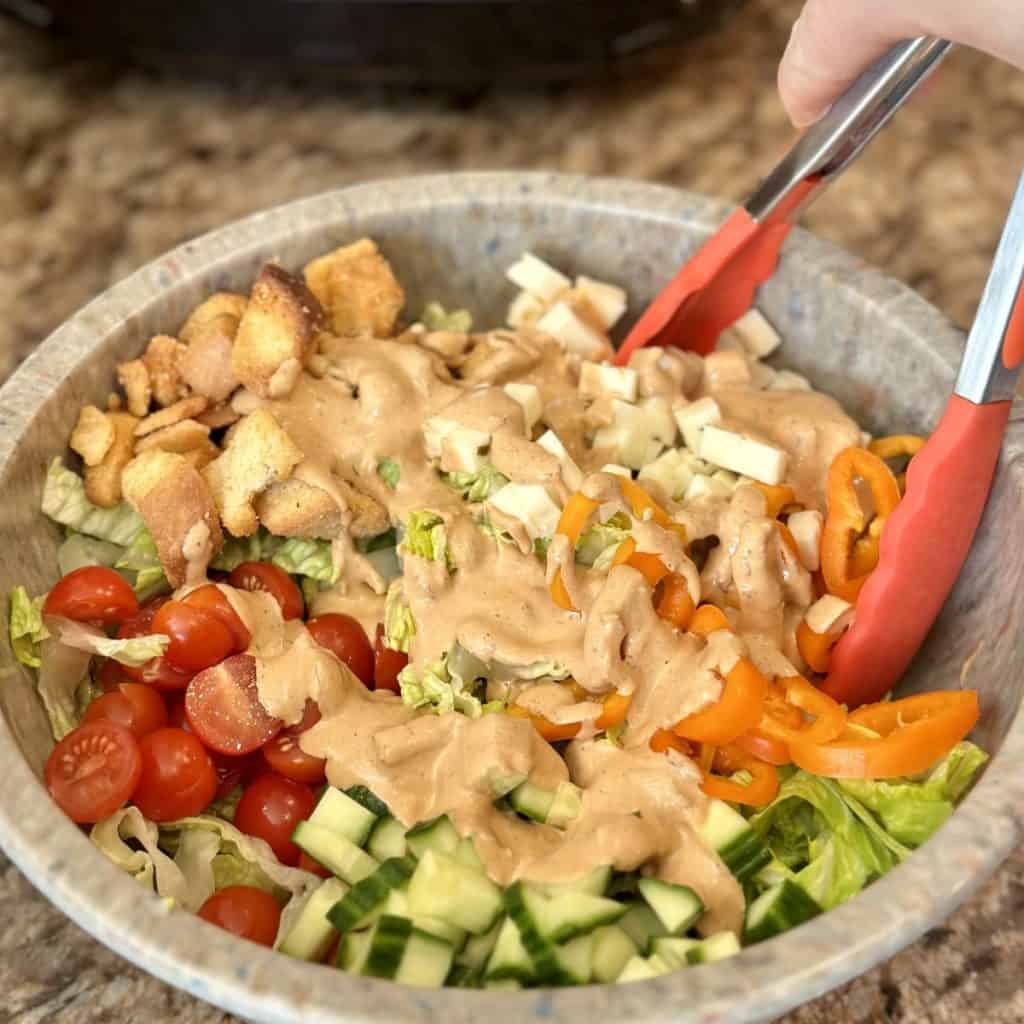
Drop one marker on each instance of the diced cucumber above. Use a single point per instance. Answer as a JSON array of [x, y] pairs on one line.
[[778, 910], [340, 814], [550, 807], [398, 905], [727, 833], [336, 853], [504, 985], [714, 947], [641, 924], [465, 853], [509, 959], [387, 839], [367, 898], [613, 949], [678, 907], [594, 882], [639, 968], [462, 976], [312, 934], [673, 950], [369, 800], [478, 948], [562, 915], [577, 959], [566, 806], [438, 835], [442, 887], [400, 951], [353, 950]]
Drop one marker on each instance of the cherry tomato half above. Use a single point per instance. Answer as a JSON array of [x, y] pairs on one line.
[[231, 771], [387, 663], [110, 675], [245, 911], [287, 758], [178, 779], [199, 638], [346, 640], [93, 770], [158, 672], [138, 708], [224, 710], [270, 809], [92, 594], [211, 599], [276, 582]]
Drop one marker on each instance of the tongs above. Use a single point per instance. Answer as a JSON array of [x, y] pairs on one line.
[[926, 539]]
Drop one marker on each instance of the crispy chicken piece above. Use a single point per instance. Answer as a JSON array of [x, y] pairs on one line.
[[276, 334], [180, 437], [217, 315], [134, 378], [179, 511], [358, 290], [258, 454], [186, 409], [161, 359], [93, 435], [103, 481]]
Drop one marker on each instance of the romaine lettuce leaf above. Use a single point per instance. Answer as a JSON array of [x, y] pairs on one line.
[[477, 486], [134, 651], [65, 502], [26, 626], [390, 472], [399, 624], [426, 536], [62, 672], [77, 551], [295, 555], [438, 687], [141, 564], [436, 318], [602, 537]]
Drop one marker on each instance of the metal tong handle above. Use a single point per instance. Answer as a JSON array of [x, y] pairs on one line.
[[829, 146], [984, 374]]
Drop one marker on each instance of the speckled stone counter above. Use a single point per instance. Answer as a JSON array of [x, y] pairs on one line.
[[102, 168]]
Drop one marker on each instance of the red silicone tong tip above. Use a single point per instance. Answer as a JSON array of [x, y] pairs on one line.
[[923, 547]]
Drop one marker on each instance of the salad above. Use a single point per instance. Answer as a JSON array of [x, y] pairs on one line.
[[465, 657]]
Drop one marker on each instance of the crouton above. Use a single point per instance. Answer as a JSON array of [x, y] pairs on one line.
[[134, 378], [276, 333], [217, 315], [114, 402], [258, 454], [186, 409], [179, 511], [93, 435], [161, 359], [179, 437], [103, 481], [199, 458], [294, 508], [219, 416], [357, 289], [206, 366]]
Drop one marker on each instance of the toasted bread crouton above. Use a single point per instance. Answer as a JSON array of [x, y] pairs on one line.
[[186, 409], [103, 481], [161, 359], [258, 454], [114, 402], [200, 458], [134, 378], [368, 516], [357, 289], [276, 333], [294, 508], [206, 366], [219, 416], [219, 314], [180, 437], [93, 435], [179, 511]]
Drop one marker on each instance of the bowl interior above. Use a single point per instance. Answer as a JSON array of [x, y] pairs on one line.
[[883, 352]]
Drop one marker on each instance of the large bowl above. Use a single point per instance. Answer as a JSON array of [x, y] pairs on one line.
[[883, 351]]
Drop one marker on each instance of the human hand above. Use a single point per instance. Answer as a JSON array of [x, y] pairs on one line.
[[834, 40]]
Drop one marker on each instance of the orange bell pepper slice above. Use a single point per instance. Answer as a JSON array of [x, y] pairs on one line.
[[708, 619], [553, 732], [615, 708], [578, 509], [815, 648], [896, 446], [893, 738], [761, 790], [650, 566], [706, 757], [764, 747], [778, 495], [845, 569], [738, 710], [643, 506], [663, 741], [675, 604], [788, 539]]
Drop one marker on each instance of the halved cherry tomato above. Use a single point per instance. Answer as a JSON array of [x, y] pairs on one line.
[[231, 771], [271, 808], [737, 710], [224, 709], [159, 672], [675, 604], [762, 790], [199, 638], [245, 911], [110, 675], [276, 582], [387, 663], [708, 619], [93, 770], [178, 779], [347, 641], [306, 863], [138, 708], [287, 758], [211, 599], [92, 594]]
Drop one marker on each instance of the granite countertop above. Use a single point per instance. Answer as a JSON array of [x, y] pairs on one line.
[[103, 168]]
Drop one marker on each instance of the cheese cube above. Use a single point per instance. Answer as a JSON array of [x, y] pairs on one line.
[[806, 529], [528, 397], [762, 462], [572, 333], [787, 380], [660, 420], [608, 300], [693, 418], [616, 470], [672, 471], [829, 615], [525, 309], [538, 278], [638, 433], [756, 334], [706, 487], [531, 505], [571, 473], [457, 447], [599, 380]]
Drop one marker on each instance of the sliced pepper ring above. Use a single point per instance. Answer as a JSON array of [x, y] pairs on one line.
[[708, 619], [578, 510], [738, 710], [675, 604], [761, 790]]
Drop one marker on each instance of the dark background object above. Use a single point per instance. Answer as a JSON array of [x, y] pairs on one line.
[[400, 41]]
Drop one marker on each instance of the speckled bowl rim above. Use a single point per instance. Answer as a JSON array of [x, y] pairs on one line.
[[762, 982]]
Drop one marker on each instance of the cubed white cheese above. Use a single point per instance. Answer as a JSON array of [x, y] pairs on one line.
[[660, 420], [693, 418], [806, 529], [571, 473], [762, 462], [435, 430], [672, 471], [756, 334], [457, 447], [638, 433], [599, 380], [525, 309], [572, 333], [528, 397], [829, 615], [608, 300], [787, 380], [531, 505], [615, 469], [538, 278], [728, 369], [706, 487]]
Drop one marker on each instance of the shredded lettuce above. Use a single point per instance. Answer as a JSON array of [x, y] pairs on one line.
[[390, 472], [438, 687], [136, 650], [436, 318], [426, 536], [26, 626], [300, 557], [63, 672], [65, 502], [141, 564], [77, 551], [601, 537], [399, 624], [478, 486]]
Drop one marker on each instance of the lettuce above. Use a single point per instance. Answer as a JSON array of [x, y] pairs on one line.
[[399, 624], [436, 318], [477, 486], [26, 626], [601, 537], [65, 502], [78, 551], [300, 557], [141, 564], [426, 536], [136, 650], [441, 689], [63, 671], [390, 472]]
